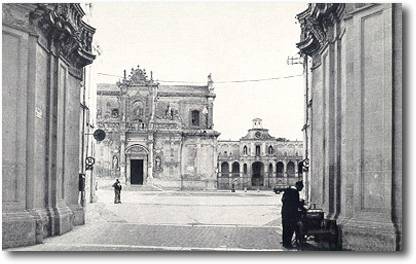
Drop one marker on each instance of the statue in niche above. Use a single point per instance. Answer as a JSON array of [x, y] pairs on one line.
[[170, 112], [138, 110], [157, 163], [115, 162]]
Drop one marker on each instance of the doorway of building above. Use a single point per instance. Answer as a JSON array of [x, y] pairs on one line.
[[136, 172], [258, 174]]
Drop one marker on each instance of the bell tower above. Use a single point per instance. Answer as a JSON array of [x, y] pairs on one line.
[[257, 123]]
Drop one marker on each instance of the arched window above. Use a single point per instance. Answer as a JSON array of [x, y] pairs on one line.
[[271, 150], [114, 112], [245, 168], [270, 169], [225, 169], [257, 150], [140, 111], [137, 110], [235, 169], [245, 150], [195, 118], [290, 169]]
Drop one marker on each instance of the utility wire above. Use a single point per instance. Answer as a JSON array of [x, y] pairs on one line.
[[260, 80], [233, 81]]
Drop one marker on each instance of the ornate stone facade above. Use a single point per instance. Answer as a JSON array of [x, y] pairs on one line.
[[45, 47], [259, 160], [161, 135], [353, 57]]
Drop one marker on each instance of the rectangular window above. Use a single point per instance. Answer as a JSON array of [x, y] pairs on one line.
[[195, 118]]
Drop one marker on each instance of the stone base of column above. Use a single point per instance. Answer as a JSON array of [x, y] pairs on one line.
[[211, 185], [43, 222], [364, 235], [19, 229], [31, 227], [62, 220], [79, 214]]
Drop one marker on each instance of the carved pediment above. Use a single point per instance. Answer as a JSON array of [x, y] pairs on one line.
[[136, 149], [137, 76]]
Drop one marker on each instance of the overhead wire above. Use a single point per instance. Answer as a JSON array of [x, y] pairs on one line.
[[217, 82]]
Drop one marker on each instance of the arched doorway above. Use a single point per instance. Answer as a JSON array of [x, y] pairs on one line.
[[279, 169], [137, 164], [291, 169], [235, 169], [257, 176]]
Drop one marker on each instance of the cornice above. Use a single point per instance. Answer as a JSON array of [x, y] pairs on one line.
[[63, 26], [317, 23]]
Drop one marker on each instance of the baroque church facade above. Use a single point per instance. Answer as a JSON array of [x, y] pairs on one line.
[[259, 160], [157, 135]]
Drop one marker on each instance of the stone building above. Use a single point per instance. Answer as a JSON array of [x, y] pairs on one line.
[[259, 160], [158, 135], [45, 48], [353, 57]]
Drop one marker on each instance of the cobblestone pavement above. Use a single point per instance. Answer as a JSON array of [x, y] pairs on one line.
[[162, 220]]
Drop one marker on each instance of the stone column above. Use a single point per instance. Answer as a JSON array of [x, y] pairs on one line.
[[241, 168], [249, 172], [150, 162], [284, 168], [296, 167], [274, 168], [123, 158], [274, 174]]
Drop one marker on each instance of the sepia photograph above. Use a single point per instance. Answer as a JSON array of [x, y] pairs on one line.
[[202, 126]]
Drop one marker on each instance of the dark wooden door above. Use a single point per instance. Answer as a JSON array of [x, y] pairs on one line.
[[136, 172]]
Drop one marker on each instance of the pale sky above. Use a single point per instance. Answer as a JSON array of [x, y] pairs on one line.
[[186, 41]]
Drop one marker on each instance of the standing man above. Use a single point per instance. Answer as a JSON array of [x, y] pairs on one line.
[[290, 212], [117, 191]]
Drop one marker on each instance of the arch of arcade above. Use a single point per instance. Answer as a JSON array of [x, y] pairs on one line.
[[262, 160]]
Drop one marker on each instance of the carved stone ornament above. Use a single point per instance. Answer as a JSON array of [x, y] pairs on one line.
[[136, 149], [316, 24], [137, 76], [63, 25]]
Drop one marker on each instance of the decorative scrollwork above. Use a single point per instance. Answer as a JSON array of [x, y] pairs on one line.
[[63, 24], [316, 24]]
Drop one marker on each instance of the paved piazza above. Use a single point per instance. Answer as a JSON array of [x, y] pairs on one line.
[[171, 220]]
